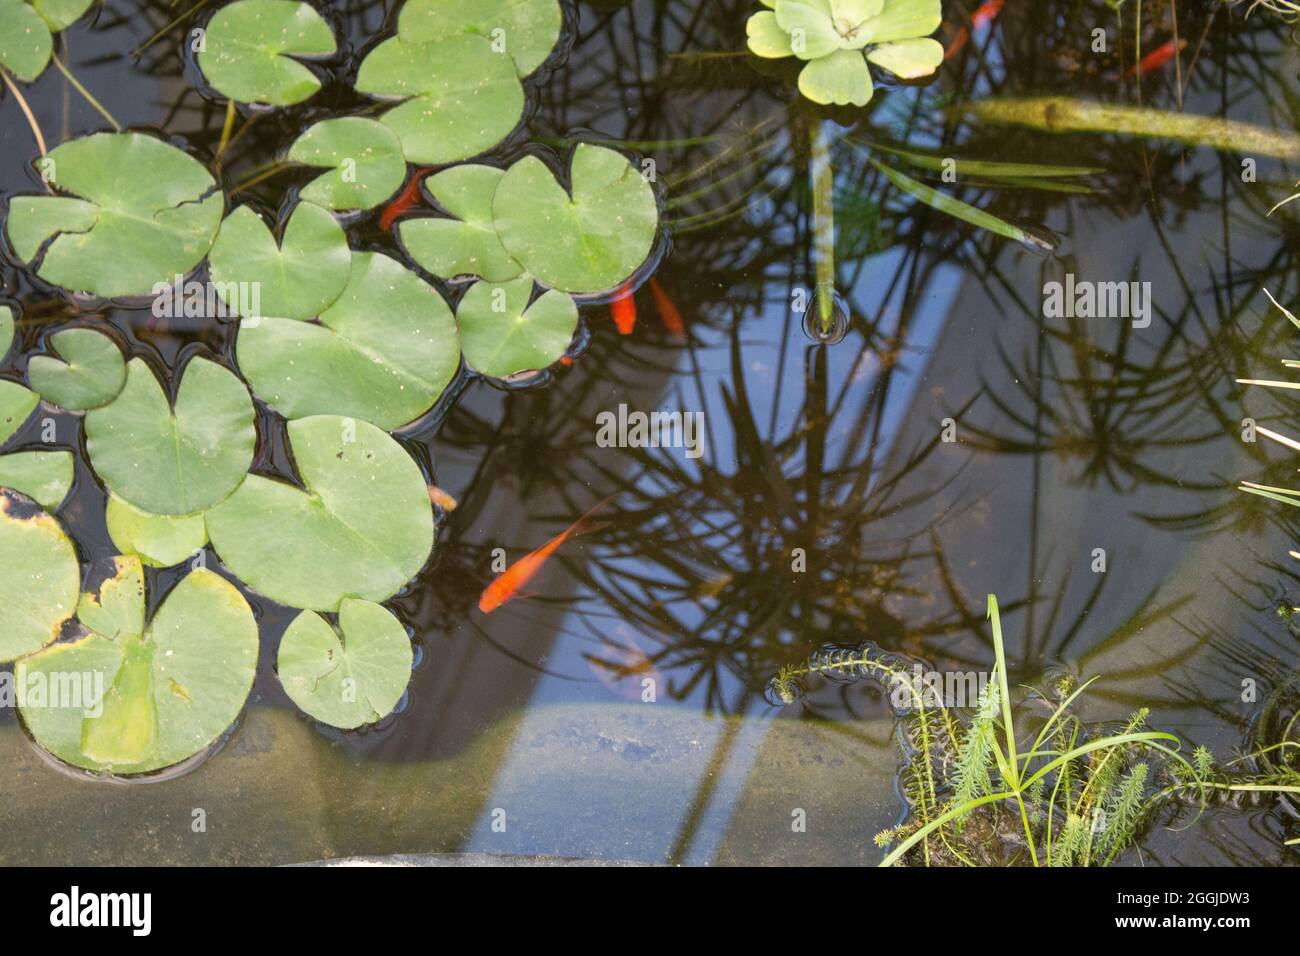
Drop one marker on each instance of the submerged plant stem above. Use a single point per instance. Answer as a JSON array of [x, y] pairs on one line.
[[27, 110], [86, 94], [823, 191]]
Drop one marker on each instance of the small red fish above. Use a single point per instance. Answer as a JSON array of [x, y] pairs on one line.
[[512, 579], [1157, 57], [985, 14], [408, 197], [668, 314], [623, 309], [566, 361]]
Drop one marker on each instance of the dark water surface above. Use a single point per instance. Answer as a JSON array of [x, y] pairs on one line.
[[1073, 435]]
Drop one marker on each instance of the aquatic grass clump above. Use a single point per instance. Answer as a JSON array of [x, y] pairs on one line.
[[1075, 796], [837, 38]]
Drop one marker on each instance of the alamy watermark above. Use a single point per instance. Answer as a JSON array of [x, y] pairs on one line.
[[637, 429], [63, 690], [937, 688], [1082, 299], [180, 299]]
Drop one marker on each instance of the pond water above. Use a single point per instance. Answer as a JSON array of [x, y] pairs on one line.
[[620, 711]]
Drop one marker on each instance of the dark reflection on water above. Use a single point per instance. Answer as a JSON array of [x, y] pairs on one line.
[[826, 506]]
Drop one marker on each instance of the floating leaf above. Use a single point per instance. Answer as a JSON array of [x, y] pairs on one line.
[[168, 693], [525, 29], [293, 279], [148, 213], [88, 371], [364, 158], [158, 540], [461, 98], [383, 352], [363, 526], [6, 330], [587, 242], [25, 41], [43, 476], [61, 14], [501, 333], [16, 405], [468, 244], [39, 577], [247, 50], [347, 677], [174, 460]]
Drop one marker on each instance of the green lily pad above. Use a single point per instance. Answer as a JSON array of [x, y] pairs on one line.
[[502, 333], [25, 41], [16, 405], [525, 29], [61, 14], [6, 330], [39, 577], [587, 242], [88, 371], [364, 159], [363, 526], [294, 279], [169, 690], [383, 352], [248, 47], [159, 541], [174, 460], [148, 213], [468, 244], [351, 676], [461, 97], [43, 476]]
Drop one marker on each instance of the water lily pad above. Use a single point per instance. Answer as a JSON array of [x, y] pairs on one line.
[[16, 405], [293, 279], [461, 97], [86, 371], [249, 45], [147, 213], [43, 476], [25, 41], [383, 352], [169, 690], [502, 333], [525, 29], [351, 676], [6, 330], [158, 540], [584, 242], [364, 159], [61, 14], [468, 244], [362, 526], [39, 577], [174, 460]]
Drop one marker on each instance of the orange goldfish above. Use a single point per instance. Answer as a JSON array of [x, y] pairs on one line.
[[668, 314], [623, 309], [1158, 57], [508, 585], [408, 197], [986, 13]]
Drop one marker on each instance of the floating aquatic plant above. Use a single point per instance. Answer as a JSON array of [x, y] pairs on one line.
[[249, 45], [26, 32], [837, 38]]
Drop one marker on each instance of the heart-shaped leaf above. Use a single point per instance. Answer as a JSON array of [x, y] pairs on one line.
[[86, 371], [169, 690], [16, 405], [158, 540], [468, 244], [461, 97], [39, 577], [347, 677], [43, 476], [501, 333], [525, 29], [383, 352], [6, 330], [248, 45], [364, 159], [61, 14], [363, 526], [25, 41], [148, 213], [174, 460], [587, 242], [294, 279]]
